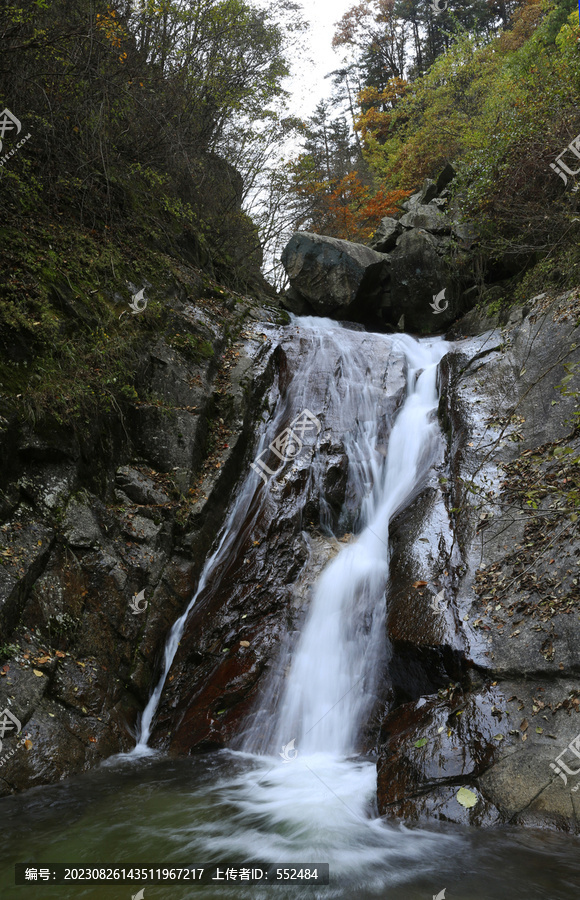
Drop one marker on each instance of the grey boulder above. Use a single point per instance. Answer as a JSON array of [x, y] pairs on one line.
[[429, 217], [417, 276], [333, 275], [385, 237]]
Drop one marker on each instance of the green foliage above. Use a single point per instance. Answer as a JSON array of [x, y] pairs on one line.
[[131, 108], [192, 347], [500, 107]]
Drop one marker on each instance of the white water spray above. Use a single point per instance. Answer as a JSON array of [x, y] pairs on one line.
[[331, 685], [320, 803]]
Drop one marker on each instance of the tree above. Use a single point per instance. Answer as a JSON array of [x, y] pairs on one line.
[[132, 104]]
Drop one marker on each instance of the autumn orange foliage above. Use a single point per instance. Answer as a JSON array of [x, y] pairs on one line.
[[352, 211], [376, 106]]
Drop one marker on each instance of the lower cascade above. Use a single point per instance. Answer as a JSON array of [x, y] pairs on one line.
[[301, 791]]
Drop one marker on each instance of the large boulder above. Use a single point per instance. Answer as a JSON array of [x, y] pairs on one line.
[[385, 237], [337, 278], [427, 216], [417, 276]]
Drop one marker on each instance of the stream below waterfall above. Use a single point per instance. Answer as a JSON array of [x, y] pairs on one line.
[[295, 786]]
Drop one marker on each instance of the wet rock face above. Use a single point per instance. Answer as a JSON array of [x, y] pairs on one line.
[[253, 600], [85, 530], [484, 605], [432, 748]]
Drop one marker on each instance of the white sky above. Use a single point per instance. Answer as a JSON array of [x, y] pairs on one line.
[[308, 84]]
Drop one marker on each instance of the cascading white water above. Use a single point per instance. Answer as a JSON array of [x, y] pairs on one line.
[[318, 804], [330, 687]]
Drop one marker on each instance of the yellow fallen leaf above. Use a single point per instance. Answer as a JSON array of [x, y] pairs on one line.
[[39, 674], [244, 643], [28, 745], [466, 798]]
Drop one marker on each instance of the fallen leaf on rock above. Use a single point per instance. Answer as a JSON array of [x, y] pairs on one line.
[[244, 643], [539, 730], [60, 654], [420, 743], [466, 798], [524, 725], [418, 584], [39, 674], [42, 660], [93, 740], [28, 745], [498, 737]]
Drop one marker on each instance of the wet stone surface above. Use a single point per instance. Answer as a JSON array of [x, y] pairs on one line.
[[507, 562]]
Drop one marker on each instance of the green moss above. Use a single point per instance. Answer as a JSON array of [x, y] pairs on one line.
[[192, 346]]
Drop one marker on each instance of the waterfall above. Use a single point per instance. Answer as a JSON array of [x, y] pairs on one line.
[[331, 685], [297, 789], [335, 666]]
